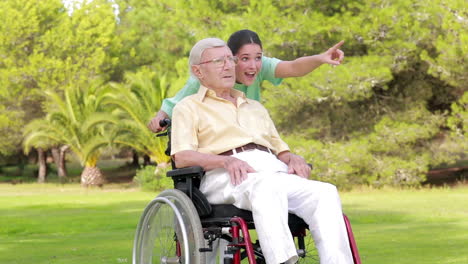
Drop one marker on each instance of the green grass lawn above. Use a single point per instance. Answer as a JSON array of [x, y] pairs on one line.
[[410, 226], [67, 224]]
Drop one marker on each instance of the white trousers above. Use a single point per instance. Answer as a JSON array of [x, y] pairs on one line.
[[270, 194]]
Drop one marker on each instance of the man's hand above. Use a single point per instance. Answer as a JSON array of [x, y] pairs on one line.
[[333, 55], [237, 169], [296, 164], [153, 125]]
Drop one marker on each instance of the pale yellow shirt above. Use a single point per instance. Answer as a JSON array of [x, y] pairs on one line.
[[206, 123]]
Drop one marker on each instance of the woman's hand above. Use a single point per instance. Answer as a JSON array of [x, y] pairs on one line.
[[333, 55], [153, 125], [237, 169]]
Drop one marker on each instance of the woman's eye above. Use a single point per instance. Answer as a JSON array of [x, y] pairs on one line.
[[259, 58], [244, 59]]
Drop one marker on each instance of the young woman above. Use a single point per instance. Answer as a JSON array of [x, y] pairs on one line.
[[252, 69]]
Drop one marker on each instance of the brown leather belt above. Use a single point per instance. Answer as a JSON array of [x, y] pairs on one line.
[[249, 146]]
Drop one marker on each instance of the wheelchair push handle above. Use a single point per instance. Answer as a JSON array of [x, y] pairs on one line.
[[164, 122]]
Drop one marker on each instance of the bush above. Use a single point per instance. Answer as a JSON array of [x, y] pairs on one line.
[[153, 178]]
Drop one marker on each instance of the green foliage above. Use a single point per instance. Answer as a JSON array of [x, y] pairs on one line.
[[448, 59], [79, 49], [152, 34], [458, 120], [77, 120], [44, 48], [153, 178], [135, 102], [395, 108], [23, 28], [10, 125]]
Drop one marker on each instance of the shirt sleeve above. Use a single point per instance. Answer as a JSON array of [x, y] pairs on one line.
[[191, 87], [184, 129], [268, 70]]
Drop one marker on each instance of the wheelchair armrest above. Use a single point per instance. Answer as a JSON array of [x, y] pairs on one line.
[[193, 172], [187, 180]]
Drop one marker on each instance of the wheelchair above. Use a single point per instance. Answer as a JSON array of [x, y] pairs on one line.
[[180, 226]]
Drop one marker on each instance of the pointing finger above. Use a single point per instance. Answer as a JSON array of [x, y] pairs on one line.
[[337, 45]]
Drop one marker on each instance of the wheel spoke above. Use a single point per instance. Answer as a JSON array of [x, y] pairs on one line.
[[158, 241], [310, 255]]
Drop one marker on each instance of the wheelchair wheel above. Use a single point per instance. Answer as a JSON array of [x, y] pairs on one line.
[[169, 232], [310, 254]]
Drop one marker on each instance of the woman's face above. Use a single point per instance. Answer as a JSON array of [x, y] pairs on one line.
[[250, 63]]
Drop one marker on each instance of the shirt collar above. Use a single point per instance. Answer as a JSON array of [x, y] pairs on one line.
[[203, 92]]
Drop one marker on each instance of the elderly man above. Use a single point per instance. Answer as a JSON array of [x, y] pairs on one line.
[[247, 164]]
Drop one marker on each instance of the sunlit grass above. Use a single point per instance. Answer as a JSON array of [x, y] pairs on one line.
[[410, 226], [68, 224]]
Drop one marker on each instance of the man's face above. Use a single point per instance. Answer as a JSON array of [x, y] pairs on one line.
[[214, 74]]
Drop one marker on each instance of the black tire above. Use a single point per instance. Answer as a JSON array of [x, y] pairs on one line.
[[166, 222]]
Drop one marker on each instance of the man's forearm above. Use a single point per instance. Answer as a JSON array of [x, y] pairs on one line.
[[189, 158], [285, 156]]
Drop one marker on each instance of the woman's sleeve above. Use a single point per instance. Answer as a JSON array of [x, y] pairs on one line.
[[191, 87], [268, 70]]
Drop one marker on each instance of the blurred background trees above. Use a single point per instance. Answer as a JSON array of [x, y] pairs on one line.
[[395, 109]]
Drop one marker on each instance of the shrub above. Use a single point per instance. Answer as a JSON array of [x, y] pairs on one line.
[[153, 178]]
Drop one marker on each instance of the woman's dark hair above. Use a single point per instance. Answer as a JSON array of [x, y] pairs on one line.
[[242, 37]]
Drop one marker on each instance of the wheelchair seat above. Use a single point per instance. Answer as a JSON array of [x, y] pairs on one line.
[[222, 213]]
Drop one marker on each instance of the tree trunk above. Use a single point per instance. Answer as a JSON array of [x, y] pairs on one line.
[[41, 158], [63, 165], [59, 160], [135, 162], [146, 160], [92, 176]]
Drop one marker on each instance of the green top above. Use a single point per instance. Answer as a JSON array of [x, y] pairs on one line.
[[253, 91]]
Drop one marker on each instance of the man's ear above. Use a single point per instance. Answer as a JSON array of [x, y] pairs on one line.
[[197, 71]]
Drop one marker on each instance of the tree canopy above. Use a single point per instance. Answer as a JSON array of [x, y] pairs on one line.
[[396, 108]]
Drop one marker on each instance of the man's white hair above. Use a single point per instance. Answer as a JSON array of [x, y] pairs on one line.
[[200, 47]]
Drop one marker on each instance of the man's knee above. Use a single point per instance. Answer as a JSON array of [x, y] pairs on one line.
[[330, 188], [329, 194]]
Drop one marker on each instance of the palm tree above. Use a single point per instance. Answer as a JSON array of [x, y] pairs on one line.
[[78, 121], [135, 103], [38, 135]]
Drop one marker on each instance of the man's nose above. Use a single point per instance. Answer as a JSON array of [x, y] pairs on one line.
[[229, 63]]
